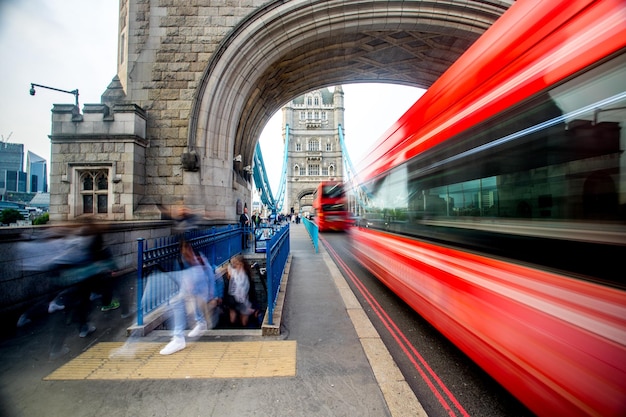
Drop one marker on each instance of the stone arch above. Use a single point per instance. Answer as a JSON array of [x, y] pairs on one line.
[[285, 49], [303, 193]]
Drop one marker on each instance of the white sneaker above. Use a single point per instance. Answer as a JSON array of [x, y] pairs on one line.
[[57, 355], [54, 306], [197, 331], [177, 343], [23, 320], [86, 330]]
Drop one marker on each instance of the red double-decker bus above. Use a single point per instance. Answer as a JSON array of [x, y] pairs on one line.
[[496, 205], [330, 206]]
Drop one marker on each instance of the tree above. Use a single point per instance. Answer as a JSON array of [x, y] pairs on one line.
[[8, 216], [43, 219]]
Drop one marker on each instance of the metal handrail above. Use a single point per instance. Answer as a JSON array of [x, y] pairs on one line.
[[160, 255], [313, 231]]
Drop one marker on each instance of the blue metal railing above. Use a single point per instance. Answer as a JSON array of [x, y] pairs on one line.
[[157, 258], [313, 232], [276, 254], [157, 261]]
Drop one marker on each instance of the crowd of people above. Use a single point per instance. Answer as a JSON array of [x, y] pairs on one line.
[[81, 267], [256, 220]]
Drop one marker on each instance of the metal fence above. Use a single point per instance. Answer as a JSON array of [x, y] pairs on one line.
[[157, 262], [157, 259], [313, 232], [276, 254]]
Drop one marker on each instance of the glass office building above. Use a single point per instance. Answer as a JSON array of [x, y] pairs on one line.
[[11, 162], [37, 173]]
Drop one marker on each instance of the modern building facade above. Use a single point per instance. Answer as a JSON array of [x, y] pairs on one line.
[[20, 183], [11, 165], [36, 173]]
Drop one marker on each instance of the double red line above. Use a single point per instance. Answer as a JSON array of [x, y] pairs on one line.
[[438, 388]]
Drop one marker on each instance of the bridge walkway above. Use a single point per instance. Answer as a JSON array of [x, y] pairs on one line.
[[328, 360]]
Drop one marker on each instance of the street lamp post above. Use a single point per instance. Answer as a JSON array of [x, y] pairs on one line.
[[73, 92]]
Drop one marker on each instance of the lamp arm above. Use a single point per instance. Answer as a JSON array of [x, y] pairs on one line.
[[73, 92]]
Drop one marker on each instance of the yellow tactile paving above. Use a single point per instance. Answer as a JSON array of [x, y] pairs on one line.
[[116, 360]]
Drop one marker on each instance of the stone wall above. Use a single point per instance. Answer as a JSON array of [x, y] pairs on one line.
[[166, 47]]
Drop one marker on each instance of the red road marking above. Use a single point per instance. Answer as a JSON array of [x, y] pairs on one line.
[[429, 376]]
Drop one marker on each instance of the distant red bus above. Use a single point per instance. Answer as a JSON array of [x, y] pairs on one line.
[[330, 206]]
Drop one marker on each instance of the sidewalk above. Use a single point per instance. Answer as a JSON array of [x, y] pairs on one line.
[[327, 361]]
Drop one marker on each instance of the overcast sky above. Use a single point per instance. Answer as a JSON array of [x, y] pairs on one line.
[[72, 44], [65, 44]]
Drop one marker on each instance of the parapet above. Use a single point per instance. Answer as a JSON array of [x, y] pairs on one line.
[[98, 120]]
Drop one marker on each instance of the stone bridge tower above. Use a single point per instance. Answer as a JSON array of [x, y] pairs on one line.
[[197, 81], [314, 153]]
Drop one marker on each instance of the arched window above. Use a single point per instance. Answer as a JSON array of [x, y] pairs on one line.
[[317, 101], [94, 191], [309, 101], [296, 170]]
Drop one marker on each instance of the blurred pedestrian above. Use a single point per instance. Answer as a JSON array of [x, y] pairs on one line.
[[196, 287], [239, 286], [186, 220], [85, 267], [256, 220]]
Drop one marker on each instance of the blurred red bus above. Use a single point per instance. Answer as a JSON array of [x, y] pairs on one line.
[[496, 205], [330, 206]]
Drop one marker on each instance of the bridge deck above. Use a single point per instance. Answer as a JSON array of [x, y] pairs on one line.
[[327, 360]]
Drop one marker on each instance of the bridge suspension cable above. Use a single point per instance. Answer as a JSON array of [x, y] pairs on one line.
[[283, 176], [261, 181]]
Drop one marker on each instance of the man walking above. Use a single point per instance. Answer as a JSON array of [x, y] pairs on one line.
[[244, 220]]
